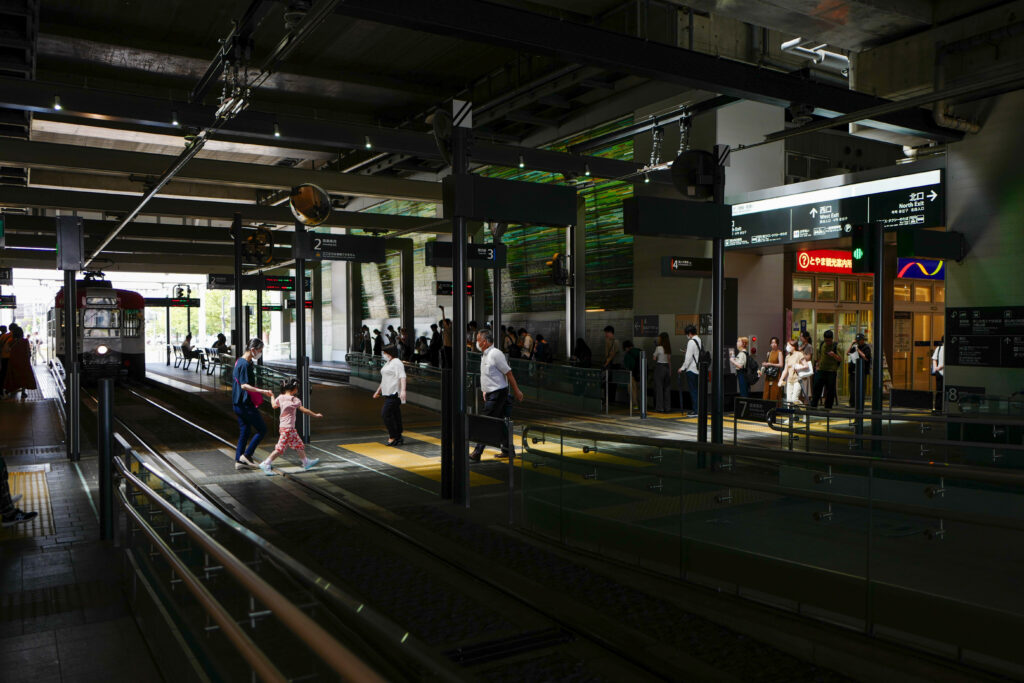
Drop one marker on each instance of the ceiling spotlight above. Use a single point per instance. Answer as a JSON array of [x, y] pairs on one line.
[[56, 103], [647, 178], [174, 119], [522, 164], [277, 131], [368, 145], [586, 170]]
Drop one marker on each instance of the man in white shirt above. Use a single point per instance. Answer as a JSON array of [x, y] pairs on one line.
[[495, 379], [690, 367], [938, 369]]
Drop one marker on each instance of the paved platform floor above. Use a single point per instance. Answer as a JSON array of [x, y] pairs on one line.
[[63, 616]]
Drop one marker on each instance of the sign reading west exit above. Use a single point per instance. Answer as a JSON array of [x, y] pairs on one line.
[[915, 200]]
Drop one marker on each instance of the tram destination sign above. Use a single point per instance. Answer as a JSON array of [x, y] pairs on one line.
[[8, 301], [486, 255], [273, 283], [916, 200], [155, 302], [991, 336]]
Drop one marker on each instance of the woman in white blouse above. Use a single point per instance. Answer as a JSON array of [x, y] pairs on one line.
[[662, 374], [392, 388]]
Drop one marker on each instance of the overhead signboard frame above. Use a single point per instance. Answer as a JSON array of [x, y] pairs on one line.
[[271, 283], [478, 255], [171, 302], [897, 201]]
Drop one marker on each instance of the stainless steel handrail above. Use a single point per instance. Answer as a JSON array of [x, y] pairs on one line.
[[333, 653], [850, 414], [242, 642], [888, 438], [931, 469], [384, 629]]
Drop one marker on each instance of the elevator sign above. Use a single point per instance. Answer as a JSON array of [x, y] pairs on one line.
[[825, 261]]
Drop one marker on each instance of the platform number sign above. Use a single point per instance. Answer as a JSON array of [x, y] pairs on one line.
[[954, 393]]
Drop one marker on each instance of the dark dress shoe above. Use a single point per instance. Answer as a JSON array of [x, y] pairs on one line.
[[475, 455], [397, 442]]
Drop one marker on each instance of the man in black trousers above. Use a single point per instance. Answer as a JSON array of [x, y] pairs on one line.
[[495, 380]]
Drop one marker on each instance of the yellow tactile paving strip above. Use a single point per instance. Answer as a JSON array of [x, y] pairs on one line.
[[429, 467], [32, 485]]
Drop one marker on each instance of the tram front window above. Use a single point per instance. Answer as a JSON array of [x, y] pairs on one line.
[[100, 322]]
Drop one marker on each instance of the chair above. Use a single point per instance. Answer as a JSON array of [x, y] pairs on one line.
[[179, 357]]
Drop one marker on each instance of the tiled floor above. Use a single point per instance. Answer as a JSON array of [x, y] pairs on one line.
[[63, 616]]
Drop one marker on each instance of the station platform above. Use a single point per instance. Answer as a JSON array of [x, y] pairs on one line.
[[63, 612]]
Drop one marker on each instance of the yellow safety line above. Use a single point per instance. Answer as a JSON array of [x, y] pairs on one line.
[[599, 456], [429, 467]]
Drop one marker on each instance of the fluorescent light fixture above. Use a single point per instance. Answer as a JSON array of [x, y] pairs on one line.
[[277, 131], [56, 103]]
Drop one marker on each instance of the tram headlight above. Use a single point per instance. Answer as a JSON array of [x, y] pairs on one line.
[[102, 350]]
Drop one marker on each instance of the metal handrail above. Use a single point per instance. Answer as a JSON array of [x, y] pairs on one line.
[[384, 628], [932, 469], [333, 653], [242, 642], [826, 496], [847, 413], [865, 436]]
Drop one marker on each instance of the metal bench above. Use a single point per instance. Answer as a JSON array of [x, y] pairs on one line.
[[179, 357]]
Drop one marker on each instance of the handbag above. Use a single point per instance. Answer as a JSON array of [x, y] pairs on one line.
[[805, 372]]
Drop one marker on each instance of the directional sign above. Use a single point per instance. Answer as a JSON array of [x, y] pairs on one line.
[[445, 288], [308, 303], [8, 301], [271, 307], [991, 336], [487, 255], [685, 265], [6, 275], [172, 303], [320, 246], [273, 283], [899, 202]]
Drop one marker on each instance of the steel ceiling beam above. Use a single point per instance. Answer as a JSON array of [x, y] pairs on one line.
[[522, 30], [223, 211], [114, 109], [119, 162]]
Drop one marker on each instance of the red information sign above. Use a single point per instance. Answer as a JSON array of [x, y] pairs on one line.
[[825, 261]]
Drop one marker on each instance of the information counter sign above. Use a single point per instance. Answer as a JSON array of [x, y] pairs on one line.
[[915, 200], [990, 337]]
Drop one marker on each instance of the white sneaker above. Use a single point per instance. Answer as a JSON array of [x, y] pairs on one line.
[[310, 464], [267, 468]]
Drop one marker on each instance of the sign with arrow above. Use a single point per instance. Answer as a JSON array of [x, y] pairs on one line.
[[989, 336]]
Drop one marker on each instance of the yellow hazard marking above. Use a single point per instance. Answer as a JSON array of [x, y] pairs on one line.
[[576, 452], [36, 497], [429, 467]]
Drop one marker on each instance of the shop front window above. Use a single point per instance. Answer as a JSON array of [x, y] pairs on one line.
[[848, 291], [922, 293], [826, 289], [867, 292], [940, 294], [803, 289], [901, 291]]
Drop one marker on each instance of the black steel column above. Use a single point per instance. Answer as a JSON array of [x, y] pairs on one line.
[[717, 339], [301, 360], [168, 311], [105, 429], [71, 367], [702, 401], [878, 360], [259, 318], [240, 341], [460, 459]]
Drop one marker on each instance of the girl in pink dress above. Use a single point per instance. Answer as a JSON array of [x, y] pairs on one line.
[[288, 403]]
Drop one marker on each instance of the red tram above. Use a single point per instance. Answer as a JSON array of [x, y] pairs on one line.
[[111, 330]]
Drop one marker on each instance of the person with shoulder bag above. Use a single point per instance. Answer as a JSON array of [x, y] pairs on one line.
[[770, 370]]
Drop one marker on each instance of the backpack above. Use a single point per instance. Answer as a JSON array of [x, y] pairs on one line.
[[543, 353], [752, 367], [702, 355]]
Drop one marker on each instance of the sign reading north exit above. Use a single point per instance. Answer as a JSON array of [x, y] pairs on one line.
[[915, 200]]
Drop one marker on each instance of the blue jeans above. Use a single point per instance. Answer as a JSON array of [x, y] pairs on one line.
[[250, 422], [692, 382], [741, 383]]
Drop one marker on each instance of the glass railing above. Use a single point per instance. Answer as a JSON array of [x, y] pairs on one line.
[[922, 552]]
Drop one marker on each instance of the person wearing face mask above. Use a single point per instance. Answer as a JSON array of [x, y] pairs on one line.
[[790, 377], [392, 388], [246, 399], [495, 380]]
